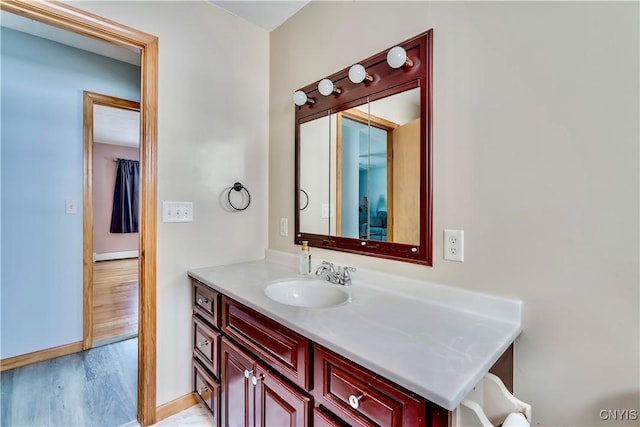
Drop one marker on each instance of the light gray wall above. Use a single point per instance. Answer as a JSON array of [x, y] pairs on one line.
[[42, 166], [535, 119], [212, 131]]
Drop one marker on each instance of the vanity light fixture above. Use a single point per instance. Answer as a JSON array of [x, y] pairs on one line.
[[358, 74], [397, 58], [300, 98], [326, 87]]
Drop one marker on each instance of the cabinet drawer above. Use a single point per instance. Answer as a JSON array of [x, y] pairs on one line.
[[322, 418], [206, 390], [206, 345], [361, 397], [206, 302], [280, 347]]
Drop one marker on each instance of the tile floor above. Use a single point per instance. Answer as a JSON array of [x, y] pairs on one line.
[[97, 387], [194, 416]]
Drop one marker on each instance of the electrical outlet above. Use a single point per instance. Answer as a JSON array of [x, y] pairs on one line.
[[284, 226], [454, 245]]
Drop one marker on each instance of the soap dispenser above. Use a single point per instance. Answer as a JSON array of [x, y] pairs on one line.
[[305, 259]]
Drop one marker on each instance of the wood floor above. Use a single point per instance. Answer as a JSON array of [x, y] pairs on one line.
[[115, 299], [97, 387]]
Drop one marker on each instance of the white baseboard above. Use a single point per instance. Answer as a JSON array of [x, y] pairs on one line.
[[109, 256]]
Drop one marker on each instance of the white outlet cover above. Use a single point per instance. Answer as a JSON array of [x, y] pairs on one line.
[[71, 206], [454, 245]]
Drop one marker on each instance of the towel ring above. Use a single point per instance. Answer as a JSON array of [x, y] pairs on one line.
[[239, 187], [307, 203]]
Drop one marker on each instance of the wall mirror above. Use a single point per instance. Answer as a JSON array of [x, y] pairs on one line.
[[363, 156]]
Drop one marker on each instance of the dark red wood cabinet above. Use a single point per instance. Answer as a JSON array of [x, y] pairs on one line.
[[206, 348], [207, 390], [277, 345], [360, 397], [206, 303], [249, 370], [252, 395]]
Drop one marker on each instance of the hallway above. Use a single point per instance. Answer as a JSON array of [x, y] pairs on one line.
[[97, 387]]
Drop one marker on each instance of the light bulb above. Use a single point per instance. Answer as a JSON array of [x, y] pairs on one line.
[[358, 74], [397, 58], [325, 87], [300, 98]]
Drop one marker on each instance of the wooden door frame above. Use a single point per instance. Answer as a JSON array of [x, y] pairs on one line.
[[78, 21], [89, 99]]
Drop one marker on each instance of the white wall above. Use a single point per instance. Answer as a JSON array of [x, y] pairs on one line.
[[535, 121], [212, 131]]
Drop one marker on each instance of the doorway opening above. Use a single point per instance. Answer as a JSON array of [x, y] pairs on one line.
[[110, 223], [78, 21]]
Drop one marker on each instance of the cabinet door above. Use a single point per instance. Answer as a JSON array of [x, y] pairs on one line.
[[237, 397], [279, 403]]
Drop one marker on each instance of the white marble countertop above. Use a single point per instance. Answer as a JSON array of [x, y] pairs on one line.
[[435, 340]]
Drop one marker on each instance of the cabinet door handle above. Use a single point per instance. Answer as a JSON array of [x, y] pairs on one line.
[[247, 373], [202, 344], [203, 301], [254, 379], [355, 401], [203, 390]]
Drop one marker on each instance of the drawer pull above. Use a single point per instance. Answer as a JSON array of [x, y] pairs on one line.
[[247, 373], [203, 390], [202, 344], [254, 379], [355, 401], [203, 301]]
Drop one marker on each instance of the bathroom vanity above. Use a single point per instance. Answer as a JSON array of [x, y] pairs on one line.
[[396, 352]]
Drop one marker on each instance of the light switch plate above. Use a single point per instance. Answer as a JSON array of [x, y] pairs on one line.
[[70, 206], [284, 226], [177, 211], [454, 245]]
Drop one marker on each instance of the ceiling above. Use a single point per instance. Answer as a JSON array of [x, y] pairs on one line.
[[266, 14], [29, 26], [116, 126]]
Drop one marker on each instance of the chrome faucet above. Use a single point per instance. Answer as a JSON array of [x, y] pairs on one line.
[[337, 275]]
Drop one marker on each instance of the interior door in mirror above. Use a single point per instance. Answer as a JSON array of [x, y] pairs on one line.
[[399, 116]]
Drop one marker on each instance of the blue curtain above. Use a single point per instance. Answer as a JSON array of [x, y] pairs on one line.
[[124, 216]]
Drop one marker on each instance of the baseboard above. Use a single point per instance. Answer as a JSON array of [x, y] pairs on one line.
[[175, 406], [39, 356], [112, 256]]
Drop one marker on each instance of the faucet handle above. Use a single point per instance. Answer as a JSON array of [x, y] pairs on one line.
[[346, 273], [329, 265]]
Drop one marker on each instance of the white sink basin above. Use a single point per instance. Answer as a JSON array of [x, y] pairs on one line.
[[306, 293]]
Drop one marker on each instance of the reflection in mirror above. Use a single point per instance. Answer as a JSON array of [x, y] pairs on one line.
[[314, 174], [378, 156]]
